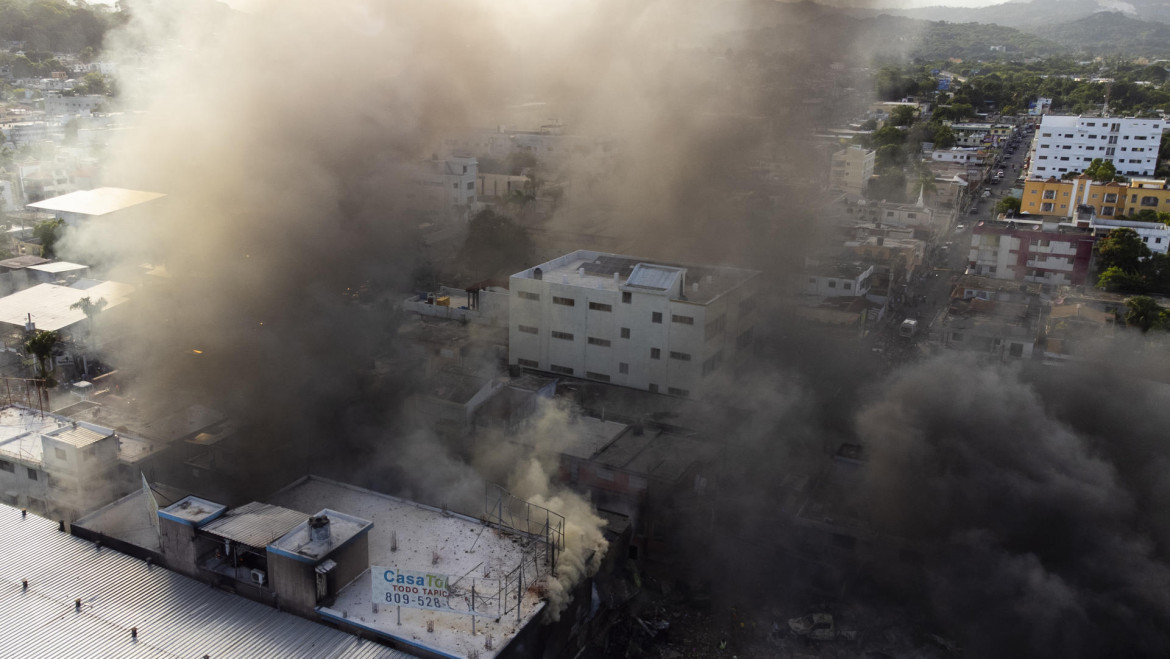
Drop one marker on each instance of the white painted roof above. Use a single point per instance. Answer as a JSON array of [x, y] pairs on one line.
[[49, 303], [99, 201], [175, 616], [58, 266]]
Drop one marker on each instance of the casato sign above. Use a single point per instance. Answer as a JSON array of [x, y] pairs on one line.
[[415, 590]]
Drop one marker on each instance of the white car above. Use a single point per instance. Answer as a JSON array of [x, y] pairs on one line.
[[960, 227]]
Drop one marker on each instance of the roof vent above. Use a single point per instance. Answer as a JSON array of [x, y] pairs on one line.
[[319, 529]]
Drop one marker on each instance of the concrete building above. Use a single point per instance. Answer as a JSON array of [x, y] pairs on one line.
[[1154, 235], [959, 155], [652, 325], [992, 317], [850, 171], [841, 279], [1031, 251], [443, 189], [71, 106], [1070, 143], [1063, 198], [61, 468], [20, 134]]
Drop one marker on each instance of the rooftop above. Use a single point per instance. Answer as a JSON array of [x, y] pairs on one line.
[[78, 436], [132, 518], [100, 201], [49, 304], [254, 524], [25, 261], [614, 272], [298, 543], [193, 511], [57, 267], [426, 539], [174, 616]]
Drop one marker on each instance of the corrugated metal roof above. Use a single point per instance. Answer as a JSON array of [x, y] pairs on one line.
[[255, 524], [175, 616], [79, 436]]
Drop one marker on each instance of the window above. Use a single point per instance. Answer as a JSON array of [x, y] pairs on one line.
[[675, 391], [713, 362], [564, 370], [1045, 207], [528, 329], [7, 466], [653, 388], [1149, 201], [623, 368], [627, 297], [32, 474], [656, 317], [597, 306], [530, 363], [681, 356], [597, 376], [625, 332], [682, 320], [655, 353], [594, 341], [832, 283], [1017, 350], [60, 453], [1046, 135], [744, 339], [715, 327], [564, 336], [525, 295], [455, 185], [848, 285], [564, 301], [1111, 198]]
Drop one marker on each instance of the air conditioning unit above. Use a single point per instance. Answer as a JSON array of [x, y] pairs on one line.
[[259, 577]]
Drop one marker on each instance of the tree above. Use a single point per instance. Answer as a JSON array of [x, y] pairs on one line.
[[1101, 170], [889, 156], [1008, 205], [1122, 249], [47, 233], [1144, 313], [1116, 280], [902, 115], [90, 308], [944, 137], [888, 135], [40, 345], [495, 246]]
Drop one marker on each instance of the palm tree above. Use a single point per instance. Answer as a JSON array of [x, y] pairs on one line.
[[90, 308], [40, 345]]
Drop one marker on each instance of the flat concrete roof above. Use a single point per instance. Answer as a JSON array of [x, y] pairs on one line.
[[49, 304], [96, 202]]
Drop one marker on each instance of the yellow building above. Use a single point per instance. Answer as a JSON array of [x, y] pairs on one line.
[[1061, 198]]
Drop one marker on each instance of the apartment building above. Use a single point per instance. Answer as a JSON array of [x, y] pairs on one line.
[[1068, 144], [1062, 198], [1031, 251], [851, 170], [652, 325]]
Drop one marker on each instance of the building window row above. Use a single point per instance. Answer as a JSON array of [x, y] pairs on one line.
[[625, 332], [525, 295], [529, 363], [682, 320], [681, 356], [598, 306], [563, 370], [594, 341], [564, 336], [528, 329], [597, 376], [564, 301]]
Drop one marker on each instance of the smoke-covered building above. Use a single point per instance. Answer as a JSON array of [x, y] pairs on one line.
[[1042, 252], [79, 206], [652, 325]]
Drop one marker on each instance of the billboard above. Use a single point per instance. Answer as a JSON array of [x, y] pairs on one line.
[[431, 591]]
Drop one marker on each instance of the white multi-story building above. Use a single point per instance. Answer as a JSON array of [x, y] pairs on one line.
[[1154, 235], [68, 106], [661, 327], [1069, 144], [851, 170]]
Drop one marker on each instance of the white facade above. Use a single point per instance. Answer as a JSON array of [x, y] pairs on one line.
[[956, 155], [633, 322], [73, 105], [851, 170], [846, 280], [1069, 144], [8, 201], [1154, 235]]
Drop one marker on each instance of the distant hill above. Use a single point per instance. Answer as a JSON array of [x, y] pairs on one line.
[[1110, 33], [1036, 13]]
